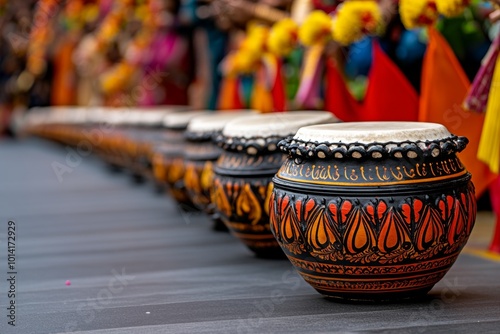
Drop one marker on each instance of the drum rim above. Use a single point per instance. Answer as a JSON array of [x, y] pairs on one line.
[[371, 132], [267, 124], [301, 150]]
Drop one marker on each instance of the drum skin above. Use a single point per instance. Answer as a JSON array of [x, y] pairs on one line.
[[373, 222]]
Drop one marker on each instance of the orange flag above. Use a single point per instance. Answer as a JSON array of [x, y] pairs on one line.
[[229, 96], [262, 98], [444, 87], [338, 99], [389, 96]]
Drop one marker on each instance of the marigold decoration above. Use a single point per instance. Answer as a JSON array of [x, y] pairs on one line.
[[316, 29], [255, 42], [113, 22], [249, 54], [90, 13], [41, 35], [452, 8], [116, 78], [283, 37], [418, 13], [354, 19], [243, 62]]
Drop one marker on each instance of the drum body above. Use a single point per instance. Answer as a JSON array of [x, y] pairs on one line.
[[169, 166], [244, 172], [200, 156], [198, 178], [241, 192], [373, 216], [168, 157]]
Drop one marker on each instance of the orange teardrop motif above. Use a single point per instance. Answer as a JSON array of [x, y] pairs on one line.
[[430, 229], [457, 223], [220, 199], [274, 218], [359, 236], [248, 205], [393, 233], [290, 231], [320, 234]]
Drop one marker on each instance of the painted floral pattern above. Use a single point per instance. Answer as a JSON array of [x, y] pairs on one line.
[[373, 230], [363, 236]]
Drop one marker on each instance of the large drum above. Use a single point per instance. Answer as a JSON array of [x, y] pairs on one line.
[[200, 155], [243, 173], [373, 211]]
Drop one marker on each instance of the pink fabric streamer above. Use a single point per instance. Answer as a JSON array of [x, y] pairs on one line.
[[477, 97], [308, 95]]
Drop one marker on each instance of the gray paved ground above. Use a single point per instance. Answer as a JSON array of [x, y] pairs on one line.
[[136, 265]]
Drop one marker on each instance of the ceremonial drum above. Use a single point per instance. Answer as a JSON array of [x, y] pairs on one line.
[[373, 211], [144, 130], [109, 123], [62, 123], [168, 157], [200, 155], [243, 173]]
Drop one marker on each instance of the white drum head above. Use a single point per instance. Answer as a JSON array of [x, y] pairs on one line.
[[275, 124], [372, 132], [181, 119], [215, 122]]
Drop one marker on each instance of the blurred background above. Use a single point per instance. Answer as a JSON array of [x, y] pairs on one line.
[[108, 68]]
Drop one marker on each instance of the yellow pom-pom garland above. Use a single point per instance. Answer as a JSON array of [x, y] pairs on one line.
[[452, 8], [283, 37], [248, 55], [316, 29], [418, 13], [354, 19]]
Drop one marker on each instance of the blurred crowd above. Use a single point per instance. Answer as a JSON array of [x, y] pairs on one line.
[[363, 60], [151, 52]]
